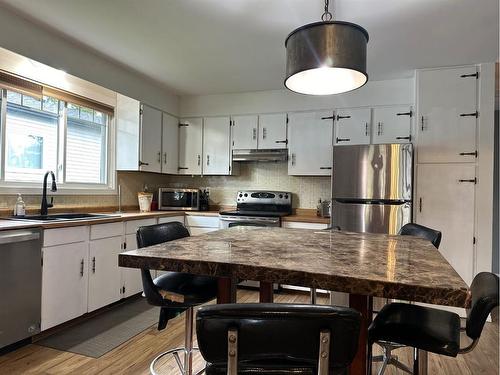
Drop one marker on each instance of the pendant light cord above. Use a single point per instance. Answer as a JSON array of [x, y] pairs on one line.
[[327, 16]]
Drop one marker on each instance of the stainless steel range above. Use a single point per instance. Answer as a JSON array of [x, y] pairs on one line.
[[258, 208]]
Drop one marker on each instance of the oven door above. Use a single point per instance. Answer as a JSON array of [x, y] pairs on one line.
[[228, 221]]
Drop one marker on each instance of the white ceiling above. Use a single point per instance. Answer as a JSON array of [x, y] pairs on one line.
[[221, 46]]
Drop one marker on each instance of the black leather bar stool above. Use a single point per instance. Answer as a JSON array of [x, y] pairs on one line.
[[195, 291], [435, 330], [267, 338], [387, 358], [417, 230]]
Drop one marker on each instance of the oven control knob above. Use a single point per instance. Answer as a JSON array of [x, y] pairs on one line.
[[281, 196], [286, 196], [246, 195], [241, 195]]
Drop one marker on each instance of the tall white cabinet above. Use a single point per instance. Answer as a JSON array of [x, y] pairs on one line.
[[151, 127], [446, 171], [310, 143]]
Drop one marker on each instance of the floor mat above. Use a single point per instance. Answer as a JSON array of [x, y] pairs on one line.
[[106, 331]]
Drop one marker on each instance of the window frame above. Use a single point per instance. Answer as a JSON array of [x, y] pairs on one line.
[[65, 188]]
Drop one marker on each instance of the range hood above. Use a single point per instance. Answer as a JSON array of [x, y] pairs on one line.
[[260, 155]]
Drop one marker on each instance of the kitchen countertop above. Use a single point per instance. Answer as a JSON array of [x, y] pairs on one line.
[[401, 267], [301, 215]]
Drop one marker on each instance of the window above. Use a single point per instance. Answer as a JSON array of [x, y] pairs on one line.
[[31, 139], [51, 134], [86, 145]]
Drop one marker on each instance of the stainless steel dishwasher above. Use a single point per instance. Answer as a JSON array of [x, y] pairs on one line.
[[20, 284]]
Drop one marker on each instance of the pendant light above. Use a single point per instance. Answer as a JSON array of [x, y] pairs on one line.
[[327, 57]]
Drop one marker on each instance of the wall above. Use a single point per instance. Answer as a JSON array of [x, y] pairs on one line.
[[496, 197], [31, 40], [398, 91]]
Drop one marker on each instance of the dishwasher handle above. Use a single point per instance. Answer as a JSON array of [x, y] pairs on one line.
[[18, 236]]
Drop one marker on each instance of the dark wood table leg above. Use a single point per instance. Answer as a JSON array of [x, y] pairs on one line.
[[364, 304], [266, 292], [226, 290]]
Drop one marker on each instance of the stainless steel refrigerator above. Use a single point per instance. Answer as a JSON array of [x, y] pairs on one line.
[[372, 187]]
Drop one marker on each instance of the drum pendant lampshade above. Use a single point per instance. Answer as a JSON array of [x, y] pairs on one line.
[[325, 58]]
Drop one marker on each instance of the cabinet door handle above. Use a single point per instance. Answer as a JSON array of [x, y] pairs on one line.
[[379, 131], [405, 114], [343, 139], [325, 167], [366, 129], [208, 159], [473, 180], [81, 268], [408, 138], [473, 114], [164, 158], [182, 168], [340, 117], [422, 123], [285, 141], [159, 157], [293, 159], [254, 134], [93, 264], [474, 153], [328, 118], [199, 159], [264, 133], [141, 163], [420, 204]]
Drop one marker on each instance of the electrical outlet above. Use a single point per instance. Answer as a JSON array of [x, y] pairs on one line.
[[207, 190]]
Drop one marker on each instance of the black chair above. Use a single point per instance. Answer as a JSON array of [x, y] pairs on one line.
[[267, 338], [387, 358], [412, 229], [434, 330], [195, 290]]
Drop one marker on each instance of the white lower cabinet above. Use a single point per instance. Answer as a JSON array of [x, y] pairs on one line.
[[201, 224], [445, 202], [104, 273], [130, 277], [64, 283]]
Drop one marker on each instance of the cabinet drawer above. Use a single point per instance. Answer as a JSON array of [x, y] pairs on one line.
[[132, 225], [196, 231], [106, 230], [202, 221], [59, 236], [301, 225], [169, 219]]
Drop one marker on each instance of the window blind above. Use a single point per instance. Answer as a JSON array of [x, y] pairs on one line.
[[15, 83]]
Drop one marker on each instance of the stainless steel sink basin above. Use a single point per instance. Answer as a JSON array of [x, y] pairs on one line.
[[63, 217]]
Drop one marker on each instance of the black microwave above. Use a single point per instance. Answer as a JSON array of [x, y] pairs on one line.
[[178, 199]]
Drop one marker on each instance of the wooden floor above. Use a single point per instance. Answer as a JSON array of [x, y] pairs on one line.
[[134, 356]]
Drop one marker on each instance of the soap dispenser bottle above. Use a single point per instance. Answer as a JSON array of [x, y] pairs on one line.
[[20, 207]]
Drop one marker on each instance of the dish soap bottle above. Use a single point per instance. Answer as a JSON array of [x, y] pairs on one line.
[[20, 207]]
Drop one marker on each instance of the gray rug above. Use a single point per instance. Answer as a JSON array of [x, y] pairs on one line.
[[106, 331]]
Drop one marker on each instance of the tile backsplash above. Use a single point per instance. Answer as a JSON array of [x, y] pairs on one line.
[[253, 175], [259, 176]]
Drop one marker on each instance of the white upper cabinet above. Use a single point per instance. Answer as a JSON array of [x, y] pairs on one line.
[[272, 131], [392, 124], [190, 145], [447, 115], [244, 132], [127, 133], [170, 144], [151, 125], [310, 143], [352, 126], [216, 146]]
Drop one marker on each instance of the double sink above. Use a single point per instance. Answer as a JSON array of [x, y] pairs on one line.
[[62, 217]]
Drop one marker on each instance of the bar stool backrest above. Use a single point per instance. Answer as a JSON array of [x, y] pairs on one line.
[[484, 298], [278, 335], [153, 235], [417, 230]]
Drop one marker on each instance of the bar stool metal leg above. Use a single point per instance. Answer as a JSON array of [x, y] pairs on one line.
[[420, 366], [186, 367]]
